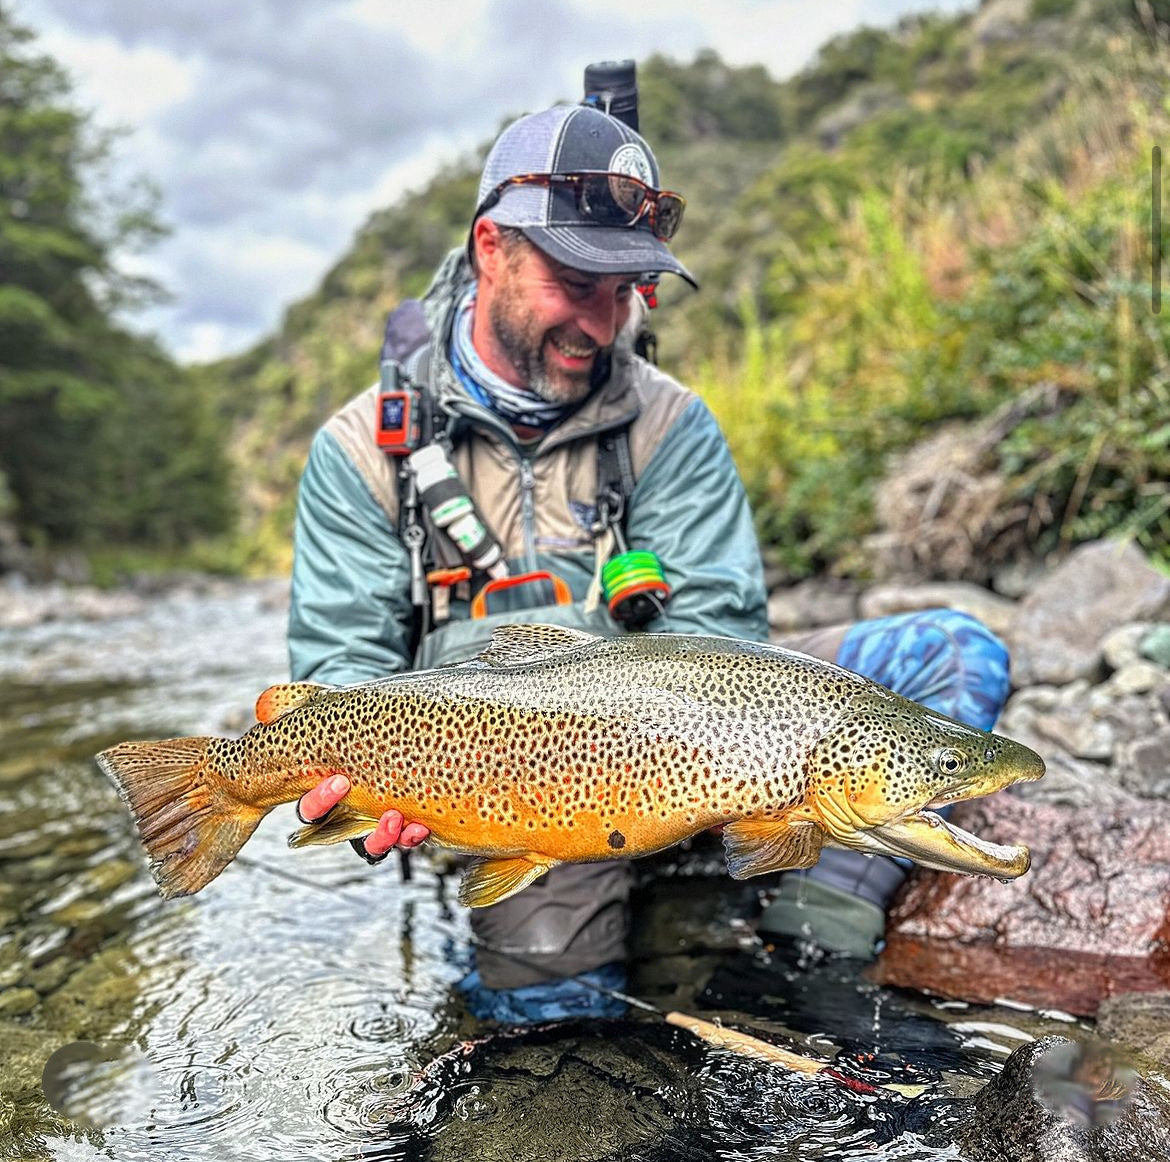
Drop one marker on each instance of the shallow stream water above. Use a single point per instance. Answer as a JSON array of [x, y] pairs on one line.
[[269, 1018]]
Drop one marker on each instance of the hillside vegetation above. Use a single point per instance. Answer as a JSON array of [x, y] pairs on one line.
[[919, 226]]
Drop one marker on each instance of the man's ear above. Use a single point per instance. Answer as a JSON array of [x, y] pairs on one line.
[[487, 244]]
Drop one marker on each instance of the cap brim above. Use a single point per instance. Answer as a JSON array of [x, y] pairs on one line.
[[607, 249]]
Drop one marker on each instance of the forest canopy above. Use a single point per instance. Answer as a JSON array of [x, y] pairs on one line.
[[102, 436]]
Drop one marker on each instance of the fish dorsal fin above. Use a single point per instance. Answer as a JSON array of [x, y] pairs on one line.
[[513, 644], [278, 700]]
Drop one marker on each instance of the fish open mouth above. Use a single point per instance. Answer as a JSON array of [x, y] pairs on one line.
[[932, 841]]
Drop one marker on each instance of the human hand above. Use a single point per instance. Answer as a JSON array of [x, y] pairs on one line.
[[391, 831]]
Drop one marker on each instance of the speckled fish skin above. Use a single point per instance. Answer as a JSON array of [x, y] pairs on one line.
[[557, 746]]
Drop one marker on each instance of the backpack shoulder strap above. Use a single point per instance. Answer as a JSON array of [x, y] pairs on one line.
[[615, 475]]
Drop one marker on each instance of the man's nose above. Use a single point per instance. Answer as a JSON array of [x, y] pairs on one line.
[[601, 316]]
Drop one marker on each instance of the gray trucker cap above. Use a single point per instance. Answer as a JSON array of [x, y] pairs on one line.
[[575, 139]]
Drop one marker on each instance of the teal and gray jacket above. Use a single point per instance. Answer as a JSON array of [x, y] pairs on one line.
[[351, 616]]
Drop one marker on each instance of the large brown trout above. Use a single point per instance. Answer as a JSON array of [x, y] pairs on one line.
[[557, 746]]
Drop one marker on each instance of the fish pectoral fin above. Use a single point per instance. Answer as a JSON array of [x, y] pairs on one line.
[[340, 824], [513, 644], [756, 846], [488, 881], [280, 699]]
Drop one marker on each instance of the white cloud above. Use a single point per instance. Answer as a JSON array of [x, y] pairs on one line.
[[275, 127]]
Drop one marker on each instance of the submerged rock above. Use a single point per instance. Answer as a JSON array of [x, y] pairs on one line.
[[1059, 1101], [1090, 919]]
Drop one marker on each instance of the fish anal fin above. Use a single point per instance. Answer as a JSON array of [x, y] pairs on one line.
[[756, 846], [513, 644], [342, 823], [488, 881], [280, 699]]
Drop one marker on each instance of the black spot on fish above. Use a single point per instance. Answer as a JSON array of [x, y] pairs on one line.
[[617, 840]]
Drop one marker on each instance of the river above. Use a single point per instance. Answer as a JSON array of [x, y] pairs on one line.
[[270, 1017]]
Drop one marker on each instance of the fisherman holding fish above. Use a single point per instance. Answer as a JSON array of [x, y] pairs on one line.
[[530, 348], [520, 462]]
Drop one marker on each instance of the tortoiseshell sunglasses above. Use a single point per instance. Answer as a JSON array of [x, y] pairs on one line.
[[605, 199]]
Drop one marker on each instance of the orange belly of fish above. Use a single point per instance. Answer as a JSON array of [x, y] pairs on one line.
[[494, 822]]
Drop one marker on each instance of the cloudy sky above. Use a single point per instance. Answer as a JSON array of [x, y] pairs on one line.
[[274, 127]]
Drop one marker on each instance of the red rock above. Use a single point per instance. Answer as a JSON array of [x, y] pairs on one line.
[[1090, 919]]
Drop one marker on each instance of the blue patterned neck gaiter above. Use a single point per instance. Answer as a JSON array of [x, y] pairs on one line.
[[517, 405]]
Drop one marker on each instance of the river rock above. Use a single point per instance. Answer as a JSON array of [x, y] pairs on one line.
[[1090, 919], [1079, 729], [15, 1002], [1077, 783], [812, 603], [1057, 1101], [1018, 577], [23, 605], [1058, 629], [1137, 678], [994, 611], [1122, 646], [1142, 764], [1155, 645]]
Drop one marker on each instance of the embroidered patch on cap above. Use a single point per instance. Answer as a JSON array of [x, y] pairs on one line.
[[631, 159]]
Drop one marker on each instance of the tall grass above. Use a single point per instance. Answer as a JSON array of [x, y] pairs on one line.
[[936, 300]]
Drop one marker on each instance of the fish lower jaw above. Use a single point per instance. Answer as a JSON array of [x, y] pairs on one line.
[[961, 795], [933, 842]]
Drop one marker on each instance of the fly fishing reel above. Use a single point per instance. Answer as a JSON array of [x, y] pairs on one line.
[[632, 580]]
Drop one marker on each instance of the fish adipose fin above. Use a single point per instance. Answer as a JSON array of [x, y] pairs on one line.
[[513, 644], [756, 846], [489, 881], [190, 826], [278, 700], [342, 823]]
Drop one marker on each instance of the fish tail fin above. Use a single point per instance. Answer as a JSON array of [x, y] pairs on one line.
[[191, 827]]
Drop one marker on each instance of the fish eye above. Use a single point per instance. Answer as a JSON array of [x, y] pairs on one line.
[[950, 761], [989, 754]]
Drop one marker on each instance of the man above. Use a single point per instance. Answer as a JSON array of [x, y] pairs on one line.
[[530, 364]]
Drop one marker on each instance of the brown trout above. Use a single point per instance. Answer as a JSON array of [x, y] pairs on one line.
[[557, 746]]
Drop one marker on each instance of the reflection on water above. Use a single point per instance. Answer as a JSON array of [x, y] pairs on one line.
[[268, 1019]]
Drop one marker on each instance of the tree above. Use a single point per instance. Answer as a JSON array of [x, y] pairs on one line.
[[78, 392]]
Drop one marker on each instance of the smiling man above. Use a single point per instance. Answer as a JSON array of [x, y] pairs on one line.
[[571, 447], [590, 471]]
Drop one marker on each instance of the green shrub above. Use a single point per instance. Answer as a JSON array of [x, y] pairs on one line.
[[931, 301]]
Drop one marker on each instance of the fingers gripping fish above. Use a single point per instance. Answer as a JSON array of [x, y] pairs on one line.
[[558, 746]]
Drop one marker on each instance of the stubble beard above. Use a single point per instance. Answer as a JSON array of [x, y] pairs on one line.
[[524, 347]]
